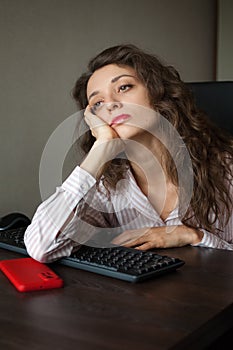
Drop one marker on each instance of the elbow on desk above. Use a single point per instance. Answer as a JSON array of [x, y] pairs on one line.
[[41, 257], [35, 250], [45, 250]]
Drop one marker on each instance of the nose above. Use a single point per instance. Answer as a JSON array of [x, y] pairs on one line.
[[111, 106]]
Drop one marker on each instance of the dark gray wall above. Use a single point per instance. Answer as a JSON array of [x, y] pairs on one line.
[[224, 40], [46, 44]]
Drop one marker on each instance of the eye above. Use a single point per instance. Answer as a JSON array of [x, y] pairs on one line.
[[96, 105], [125, 87]]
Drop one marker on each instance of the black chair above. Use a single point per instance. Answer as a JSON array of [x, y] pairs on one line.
[[216, 99]]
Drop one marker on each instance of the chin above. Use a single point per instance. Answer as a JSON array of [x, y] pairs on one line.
[[127, 132]]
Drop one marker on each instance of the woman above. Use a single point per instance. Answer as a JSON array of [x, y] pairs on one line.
[[145, 132]]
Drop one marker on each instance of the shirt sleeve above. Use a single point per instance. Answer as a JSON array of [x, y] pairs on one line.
[[223, 240], [58, 225], [211, 240]]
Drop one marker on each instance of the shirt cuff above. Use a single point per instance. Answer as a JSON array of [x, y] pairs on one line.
[[79, 181], [209, 240], [203, 242]]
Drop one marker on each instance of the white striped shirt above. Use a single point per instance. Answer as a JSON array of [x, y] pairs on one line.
[[77, 210]]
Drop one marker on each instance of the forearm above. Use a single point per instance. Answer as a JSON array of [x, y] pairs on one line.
[[185, 235], [195, 235], [44, 238], [101, 153]]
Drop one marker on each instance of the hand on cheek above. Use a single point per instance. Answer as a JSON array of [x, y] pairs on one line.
[[99, 128]]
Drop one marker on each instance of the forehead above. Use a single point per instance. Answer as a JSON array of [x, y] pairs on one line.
[[104, 75]]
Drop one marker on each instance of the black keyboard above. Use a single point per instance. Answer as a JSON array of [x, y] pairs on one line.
[[119, 262]]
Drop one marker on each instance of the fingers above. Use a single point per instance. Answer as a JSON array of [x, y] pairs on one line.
[[92, 120], [141, 244], [122, 238], [155, 237], [131, 238], [141, 239], [99, 128], [129, 235], [145, 246]]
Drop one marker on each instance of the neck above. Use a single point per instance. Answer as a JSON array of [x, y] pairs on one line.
[[145, 154]]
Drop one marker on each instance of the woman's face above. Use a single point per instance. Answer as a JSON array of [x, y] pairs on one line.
[[117, 96]]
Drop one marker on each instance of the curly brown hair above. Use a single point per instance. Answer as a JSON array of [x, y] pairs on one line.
[[209, 147]]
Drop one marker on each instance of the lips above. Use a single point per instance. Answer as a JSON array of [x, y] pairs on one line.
[[120, 119]]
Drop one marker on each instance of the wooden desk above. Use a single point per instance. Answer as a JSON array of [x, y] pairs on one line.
[[186, 309]]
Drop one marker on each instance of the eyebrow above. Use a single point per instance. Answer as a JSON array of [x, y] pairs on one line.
[[112, 81]]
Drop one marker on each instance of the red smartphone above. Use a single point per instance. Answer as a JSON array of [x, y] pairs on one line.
[[27, 274]]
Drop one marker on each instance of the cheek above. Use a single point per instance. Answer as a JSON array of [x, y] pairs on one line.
[[143, 117], [146, 101], [142, 102]]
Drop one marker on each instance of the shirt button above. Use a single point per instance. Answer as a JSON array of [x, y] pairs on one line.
[[84, 187]]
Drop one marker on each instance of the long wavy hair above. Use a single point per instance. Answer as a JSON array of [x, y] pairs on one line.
[[210, 148]]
